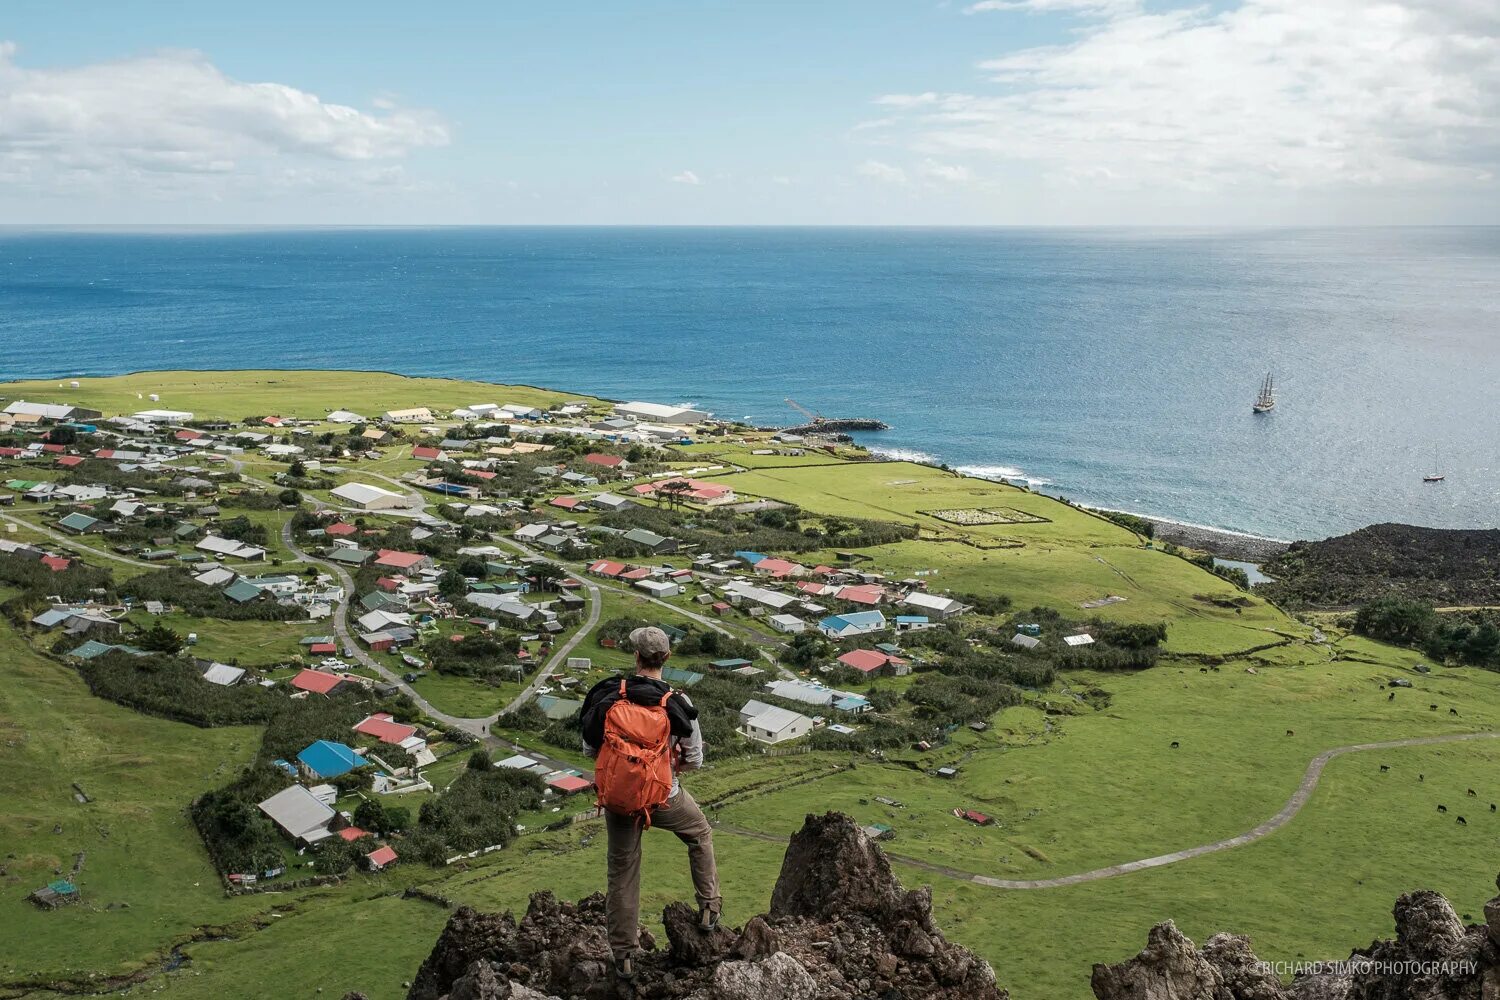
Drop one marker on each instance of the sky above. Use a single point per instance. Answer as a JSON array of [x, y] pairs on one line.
[[711, 112]]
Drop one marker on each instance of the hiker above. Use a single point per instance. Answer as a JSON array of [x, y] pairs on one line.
[[641, 733]]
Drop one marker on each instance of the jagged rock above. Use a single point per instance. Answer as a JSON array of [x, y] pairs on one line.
[[841, 926], [779, 977], [1170, 967], [1245, 977]]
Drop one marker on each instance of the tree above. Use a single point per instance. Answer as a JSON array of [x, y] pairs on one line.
[[452, 585], [371, 815], [1395, 619], [479, 760], [397, 818], [160, 639], [335, 856], [290, 498], [635, 454], [297, 470], [547, 575]]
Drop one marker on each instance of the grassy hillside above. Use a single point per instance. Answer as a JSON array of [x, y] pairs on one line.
[[307, 395]]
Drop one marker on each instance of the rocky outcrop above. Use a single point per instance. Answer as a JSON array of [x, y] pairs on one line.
[[840, 927], [1433, 957]]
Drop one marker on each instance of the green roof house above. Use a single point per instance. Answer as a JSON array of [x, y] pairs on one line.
[[78, 523]]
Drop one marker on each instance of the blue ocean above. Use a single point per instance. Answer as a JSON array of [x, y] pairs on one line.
[[1115, 367]]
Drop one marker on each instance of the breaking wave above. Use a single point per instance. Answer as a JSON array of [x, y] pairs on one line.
[[1008, 472]]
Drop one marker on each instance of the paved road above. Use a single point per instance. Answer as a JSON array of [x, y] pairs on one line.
[[1292, 808], [73, 543]]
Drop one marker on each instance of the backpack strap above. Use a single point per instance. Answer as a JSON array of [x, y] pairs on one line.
[[622, 687], [663, 702]]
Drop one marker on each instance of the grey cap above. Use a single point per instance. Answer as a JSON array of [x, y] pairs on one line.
[[650, 640]]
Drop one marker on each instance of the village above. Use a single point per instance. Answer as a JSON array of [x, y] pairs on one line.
[[454, 581]]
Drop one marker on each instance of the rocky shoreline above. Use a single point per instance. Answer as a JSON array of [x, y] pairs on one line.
[[1224, 544]]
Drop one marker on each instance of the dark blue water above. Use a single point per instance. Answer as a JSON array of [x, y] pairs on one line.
[[1117, 366]]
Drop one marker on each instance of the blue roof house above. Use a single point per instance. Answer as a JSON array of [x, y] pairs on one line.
[[325, 759], [750, 558], [851, 624]]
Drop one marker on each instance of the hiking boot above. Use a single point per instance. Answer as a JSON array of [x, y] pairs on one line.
[[708, 918], [624, 967]]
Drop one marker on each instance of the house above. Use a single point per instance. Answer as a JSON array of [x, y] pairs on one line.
[[680, 677], [566, 503], [913, 623], [872, 662], [611, 501], [414, 415], [779, 568], [55, 563], [77, 523], [344, 417], [243, 592], [316, 681], [163, 416], [852, 624], [520, 411], [558, 709], [861, 594], [406, 562], [531, 532], [771, 724], [229, 548], [578, 479], [1025, 641], [660, 413], [424, 453], [380, 621], [974, 816], [381, 858], [350, 555], [52, 412], [659, 588], [613, 462], [805, 692], [223, 674], [340, 529], [300, 814], [788, 624], [933, 605], [326, 759], [387, 730], [569, 784], [367, 497], [1082, 639], [739, 592]]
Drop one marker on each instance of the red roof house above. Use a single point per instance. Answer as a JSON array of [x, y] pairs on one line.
[[56, 563], [396, 559], [426, 453], [338, 528], [186, 435], [868, 661], [68, 461], [779, 568], [316, 681], [53, 449], [639, 573], [607, 461], [385, 729], [606, 568], [865, 594], [381, 857], [569, 784], [566, 503], [322, 649], [352, 833]]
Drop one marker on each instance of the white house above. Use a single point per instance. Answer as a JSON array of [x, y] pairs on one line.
[[367, 497], [659, 413], [300, 813], [934, 605], [415, 415], [770, 724], [163, 416], [345, 417], [790, 624], [659, 588], [230, 548], [852, 624]]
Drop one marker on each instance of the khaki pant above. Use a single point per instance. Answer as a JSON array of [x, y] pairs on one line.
[[681, 816]]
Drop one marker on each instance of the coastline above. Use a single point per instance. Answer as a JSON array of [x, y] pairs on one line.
[[1221, 542]]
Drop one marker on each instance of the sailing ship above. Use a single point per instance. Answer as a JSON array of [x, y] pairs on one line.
[[1266, 401], [1434, 477]]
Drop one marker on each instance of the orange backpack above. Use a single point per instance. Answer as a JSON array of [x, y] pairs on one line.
[[633, 771]]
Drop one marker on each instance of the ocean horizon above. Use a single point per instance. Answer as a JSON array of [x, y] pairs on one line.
[[1112, 366]]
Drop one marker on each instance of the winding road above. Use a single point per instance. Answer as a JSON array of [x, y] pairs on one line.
[[1293, 806]]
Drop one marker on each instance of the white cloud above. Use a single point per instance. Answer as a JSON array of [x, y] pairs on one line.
[[1275, 95], [882, 172], [948, 172], [173, 122], [686, 177]]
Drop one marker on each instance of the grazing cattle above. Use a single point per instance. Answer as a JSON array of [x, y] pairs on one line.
[[1421, 777], [1384, 768], [1462, 821], [1442, 809], [1492, 807], [1214, 669], [1473, 794], [1202, 670], [1175, 744], [1391, 696], [1432, 708], [1290, 732], [1452, 711]]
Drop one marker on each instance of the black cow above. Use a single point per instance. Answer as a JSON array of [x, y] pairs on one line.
[[1462, 821], [1175, 744], [1452, 711], [1391, 696], [1384, 768], [1442, 809], [1473, 794]]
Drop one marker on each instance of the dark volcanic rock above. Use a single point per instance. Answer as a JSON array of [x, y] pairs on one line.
[[841, 926], [1433, 957]]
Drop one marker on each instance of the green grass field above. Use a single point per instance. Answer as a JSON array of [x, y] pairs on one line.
[[309, 395]]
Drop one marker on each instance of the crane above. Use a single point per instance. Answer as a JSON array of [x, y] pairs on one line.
[[816, 418]]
